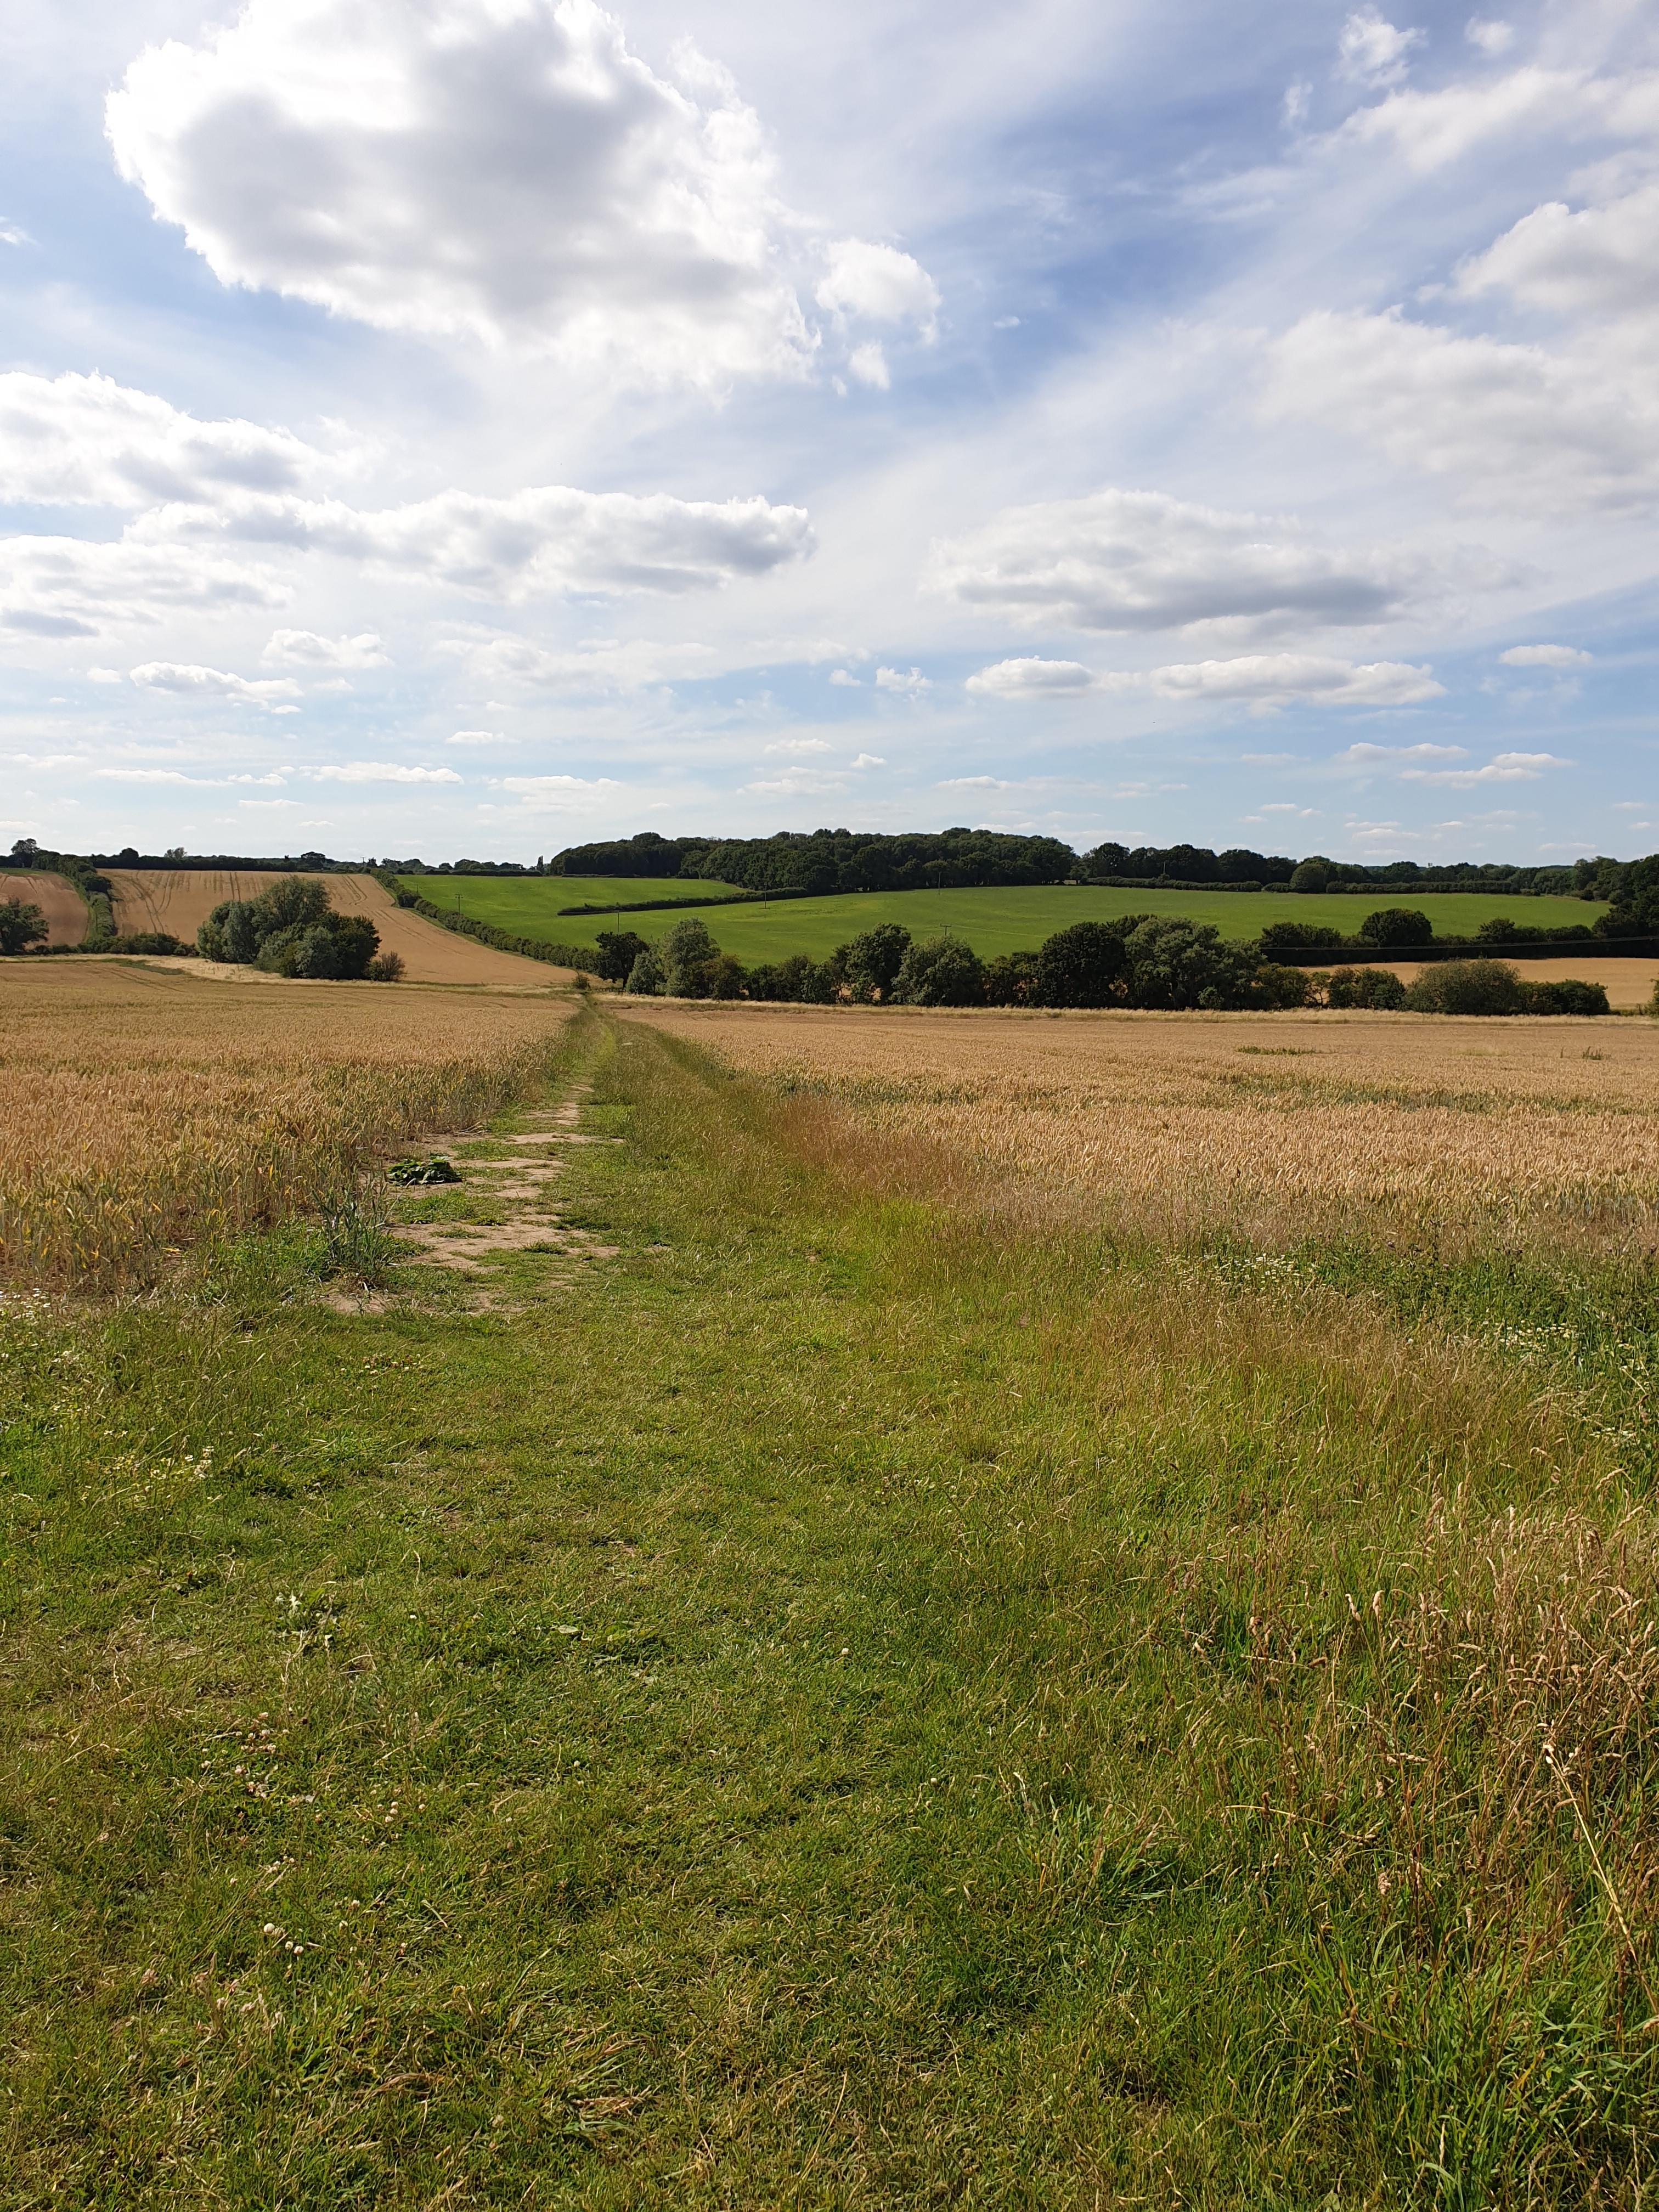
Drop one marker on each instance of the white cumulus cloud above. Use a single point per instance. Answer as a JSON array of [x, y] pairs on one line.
[[1142, 560], [1544, 656], [1504, 767], [1276, 678], [382, 772], [1032, 679], [868, 364], [1522, 427], [86, 440], [506, 171], [303, 648], [1489, 35], [880, 284], [529, 544], [1596, 260], [559, 794], [84, 587], [1371, 51], [911, 681], [188, 681]]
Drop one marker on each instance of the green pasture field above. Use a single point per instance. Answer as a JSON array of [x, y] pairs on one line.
[[547, 893], [843, 1704], [992, 921]]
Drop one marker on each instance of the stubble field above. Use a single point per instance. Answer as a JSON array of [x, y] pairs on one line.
[[939, 1609]]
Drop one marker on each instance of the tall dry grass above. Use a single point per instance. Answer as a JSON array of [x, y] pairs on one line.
[[141, 1111]]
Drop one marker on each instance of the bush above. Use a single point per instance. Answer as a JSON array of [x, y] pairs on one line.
[[290, 930], [1466, 987], [1569, 996], [1084, 965], [1397, 926], [781, 980], [1174, 964], [618, 950], [384, 968], [644, 976], [684, 956], [22, 924], [943, 972], [723, 977], [1280, 989], [1313, 875], [1298, 937], [1365, 987], [871, 963], [1010, 980], [154, 941]]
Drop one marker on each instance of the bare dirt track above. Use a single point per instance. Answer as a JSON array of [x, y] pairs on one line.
[[60, 903], [181, 899]]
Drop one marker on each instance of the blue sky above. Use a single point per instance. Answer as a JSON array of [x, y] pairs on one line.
[[476, 426]]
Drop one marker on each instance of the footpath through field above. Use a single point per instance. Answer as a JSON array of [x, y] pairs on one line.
[[832, 1688]]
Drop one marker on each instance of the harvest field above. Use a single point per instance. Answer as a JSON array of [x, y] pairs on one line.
[[63, 908], [180, 900], [139, 1108], [1201, 1122], [928, 1609], [992, 921]]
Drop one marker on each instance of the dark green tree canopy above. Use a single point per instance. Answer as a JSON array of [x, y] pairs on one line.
[[1397, 925]]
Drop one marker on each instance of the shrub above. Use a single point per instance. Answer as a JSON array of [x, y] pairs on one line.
[[1466, 987], [154, 941], [1569, 996], [618, 950], [1173, 963], [684, 955], [337, 948], [1010, 980], [1365, 987], [1278, 989], [1397, 926], [384, 968], [644, 976], [943, 972], [22, 924], [1083, 966], [290, 929], [781, 980], [1298, 937], [1313, 875], [723, 977], [871, 963]]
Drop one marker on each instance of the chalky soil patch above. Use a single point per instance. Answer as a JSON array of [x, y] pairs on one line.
[[507, 1202]]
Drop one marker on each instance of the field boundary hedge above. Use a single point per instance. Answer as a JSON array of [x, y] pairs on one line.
[[1469, 948], [503, 940]]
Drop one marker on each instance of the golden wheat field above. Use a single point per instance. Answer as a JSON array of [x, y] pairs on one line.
[[1190, 1118], [141, 1108]]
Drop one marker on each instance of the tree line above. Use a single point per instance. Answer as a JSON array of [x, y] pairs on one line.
[[1135, 960]]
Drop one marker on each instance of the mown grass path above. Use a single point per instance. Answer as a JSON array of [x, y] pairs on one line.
[[824, 1707]]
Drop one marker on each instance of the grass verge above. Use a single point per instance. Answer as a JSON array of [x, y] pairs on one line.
[[844, 1705]]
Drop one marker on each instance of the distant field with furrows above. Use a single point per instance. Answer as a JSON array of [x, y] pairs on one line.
[[1016, 920]]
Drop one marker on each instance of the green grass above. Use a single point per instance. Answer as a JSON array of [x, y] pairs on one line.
[[502, 899], [845, 1705], [992, 921]]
